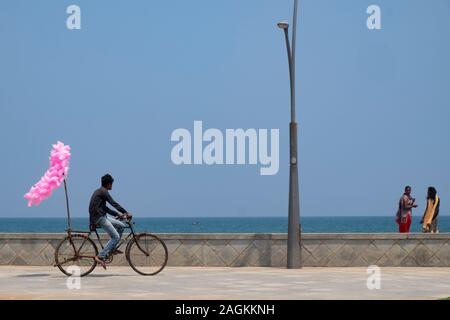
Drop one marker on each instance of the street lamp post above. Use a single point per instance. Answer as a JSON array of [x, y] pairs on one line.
[[294, 259]]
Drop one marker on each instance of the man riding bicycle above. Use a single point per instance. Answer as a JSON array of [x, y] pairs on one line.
[[98, 217]]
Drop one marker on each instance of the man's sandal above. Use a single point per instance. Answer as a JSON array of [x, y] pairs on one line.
[[100, 262]]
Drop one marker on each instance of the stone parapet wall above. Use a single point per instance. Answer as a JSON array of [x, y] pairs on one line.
[[262, 250]]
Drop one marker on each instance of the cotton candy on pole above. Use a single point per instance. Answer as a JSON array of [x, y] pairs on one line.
[[53, 177]]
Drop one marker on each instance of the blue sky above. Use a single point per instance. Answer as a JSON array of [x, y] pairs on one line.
[[373, 105]]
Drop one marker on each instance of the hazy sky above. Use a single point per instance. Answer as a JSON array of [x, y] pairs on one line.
[[373, 105]]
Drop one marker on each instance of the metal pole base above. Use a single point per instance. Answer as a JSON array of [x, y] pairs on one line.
[[294, 260]]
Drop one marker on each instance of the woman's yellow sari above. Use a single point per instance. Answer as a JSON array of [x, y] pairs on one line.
[[429, 213]]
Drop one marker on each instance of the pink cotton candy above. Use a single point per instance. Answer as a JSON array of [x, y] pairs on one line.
[[53, 177]]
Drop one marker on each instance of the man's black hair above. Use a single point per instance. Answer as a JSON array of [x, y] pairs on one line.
[[107, 179], [407, 187]]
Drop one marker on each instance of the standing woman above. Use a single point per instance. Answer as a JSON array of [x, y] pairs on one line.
[[429, 220], [404, 213]]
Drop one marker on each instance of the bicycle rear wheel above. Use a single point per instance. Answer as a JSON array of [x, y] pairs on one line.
[[147, 254], [76, 253]]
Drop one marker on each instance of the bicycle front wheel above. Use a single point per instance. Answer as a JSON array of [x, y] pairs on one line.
[[75, 255], [147, 254]]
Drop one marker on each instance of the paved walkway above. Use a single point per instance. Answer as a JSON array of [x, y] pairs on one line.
[[226, 283]]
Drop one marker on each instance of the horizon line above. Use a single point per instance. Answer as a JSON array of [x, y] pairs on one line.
[[177, 217]]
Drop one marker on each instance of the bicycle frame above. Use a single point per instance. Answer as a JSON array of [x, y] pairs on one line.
[[122, 241]]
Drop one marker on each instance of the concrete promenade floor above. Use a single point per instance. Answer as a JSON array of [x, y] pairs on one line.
[[18, 282]]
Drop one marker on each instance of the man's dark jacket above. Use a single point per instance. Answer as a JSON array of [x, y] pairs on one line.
[[98, 208]]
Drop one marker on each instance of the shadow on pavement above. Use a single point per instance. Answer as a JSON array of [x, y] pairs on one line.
[[107, 275]]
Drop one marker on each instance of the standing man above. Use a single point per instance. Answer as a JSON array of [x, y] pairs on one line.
[[404, 213], [98, 217]]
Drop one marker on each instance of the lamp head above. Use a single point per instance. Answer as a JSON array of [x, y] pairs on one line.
[[283, 25]]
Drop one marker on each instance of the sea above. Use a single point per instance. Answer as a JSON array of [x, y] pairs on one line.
[[341, 224]]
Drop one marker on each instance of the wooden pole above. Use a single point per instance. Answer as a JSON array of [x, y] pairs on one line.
[[67, 205]]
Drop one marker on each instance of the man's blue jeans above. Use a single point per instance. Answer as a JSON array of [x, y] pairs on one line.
[[114, 228]]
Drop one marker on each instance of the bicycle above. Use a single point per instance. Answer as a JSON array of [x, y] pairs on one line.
[[145, 253]]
